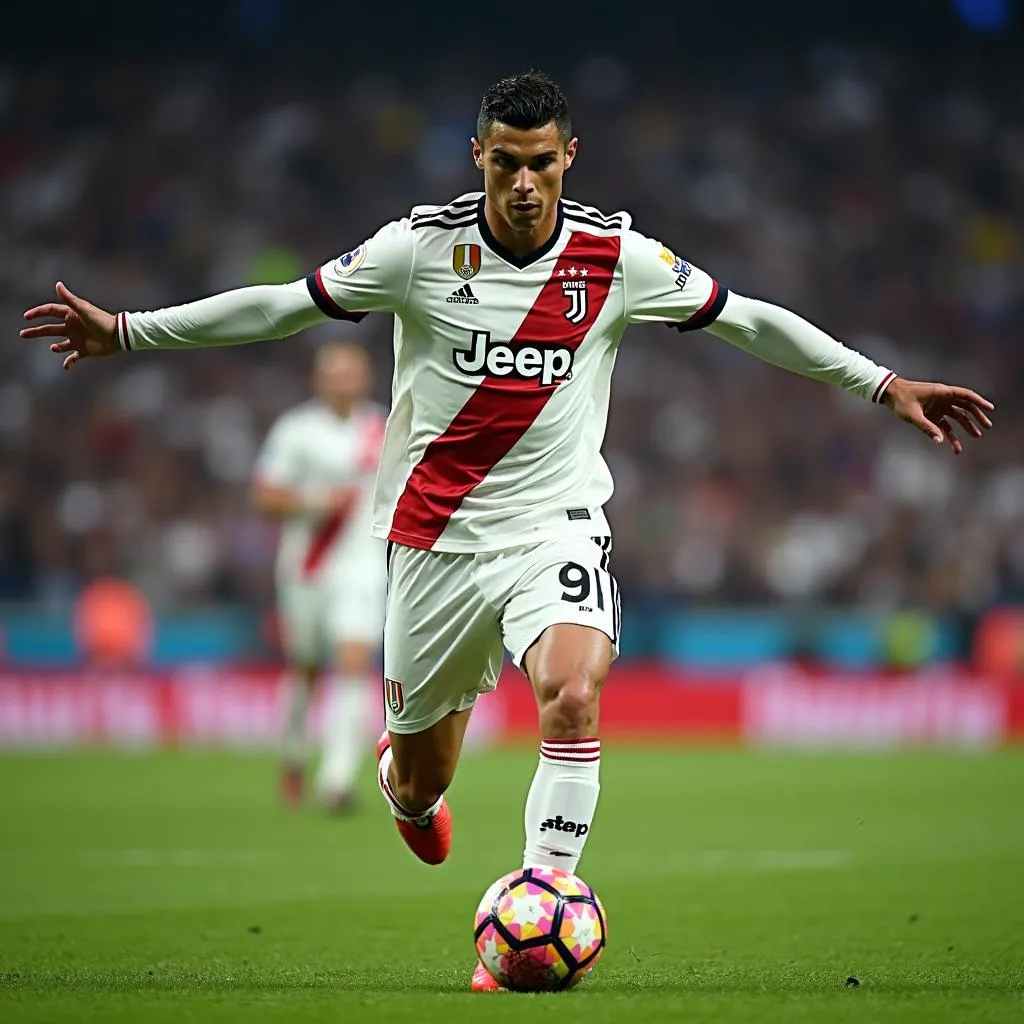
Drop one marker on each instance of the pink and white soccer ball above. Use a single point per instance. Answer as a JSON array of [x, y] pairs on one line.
[[540, 929]]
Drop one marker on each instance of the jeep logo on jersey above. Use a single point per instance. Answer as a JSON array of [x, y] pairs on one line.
[[547, 364], [466, 260]]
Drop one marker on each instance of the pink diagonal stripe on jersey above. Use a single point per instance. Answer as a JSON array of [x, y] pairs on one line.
[[501, 409]]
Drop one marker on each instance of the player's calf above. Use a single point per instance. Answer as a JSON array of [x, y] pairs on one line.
[[426, 829]]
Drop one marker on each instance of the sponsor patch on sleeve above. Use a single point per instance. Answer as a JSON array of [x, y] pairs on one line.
[[679, 266], [682, 270], [345, 265]]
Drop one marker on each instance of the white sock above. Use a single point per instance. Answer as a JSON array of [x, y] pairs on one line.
[[294, 705], [345, 733], [400, 812], [561, 803]]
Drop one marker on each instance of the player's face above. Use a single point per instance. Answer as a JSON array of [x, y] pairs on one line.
[[341, 376], [523, 171]]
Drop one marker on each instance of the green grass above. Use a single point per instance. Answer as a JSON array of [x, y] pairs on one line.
[[739, 887]]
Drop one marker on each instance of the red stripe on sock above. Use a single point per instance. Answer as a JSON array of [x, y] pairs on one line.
[[577, 739]]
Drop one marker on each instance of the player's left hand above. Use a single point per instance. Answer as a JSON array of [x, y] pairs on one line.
[[934, 408]]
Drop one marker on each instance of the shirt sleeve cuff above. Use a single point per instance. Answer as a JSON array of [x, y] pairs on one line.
[[883, 384], [124, 338]]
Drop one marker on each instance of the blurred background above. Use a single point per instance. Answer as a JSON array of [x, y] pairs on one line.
[[773, 538]]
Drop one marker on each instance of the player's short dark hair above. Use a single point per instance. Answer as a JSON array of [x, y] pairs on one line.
[[524, 101]]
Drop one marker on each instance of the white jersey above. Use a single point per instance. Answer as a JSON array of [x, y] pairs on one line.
[[312, 450], [502, 363], [503, 366]]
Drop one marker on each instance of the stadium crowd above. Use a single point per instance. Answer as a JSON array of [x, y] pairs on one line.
[[881, 198]]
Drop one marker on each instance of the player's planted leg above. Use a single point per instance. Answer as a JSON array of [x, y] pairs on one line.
[[567, 667], [413, 772]]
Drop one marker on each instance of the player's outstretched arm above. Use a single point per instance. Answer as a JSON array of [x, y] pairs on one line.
[[783, 338], [236, 317]]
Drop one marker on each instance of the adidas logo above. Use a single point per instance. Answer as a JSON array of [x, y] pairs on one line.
[[464, 294]]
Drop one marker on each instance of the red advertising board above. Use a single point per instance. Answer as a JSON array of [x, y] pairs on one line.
[[780, 706]]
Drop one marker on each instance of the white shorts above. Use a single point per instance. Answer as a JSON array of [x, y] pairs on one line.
[[450, 615], [318, 616]]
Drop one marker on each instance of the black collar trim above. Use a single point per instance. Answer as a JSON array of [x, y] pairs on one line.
[[520, 262]]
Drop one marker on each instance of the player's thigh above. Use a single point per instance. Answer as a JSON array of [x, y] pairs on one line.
[[442, 640], [564, 581], [301, 611]]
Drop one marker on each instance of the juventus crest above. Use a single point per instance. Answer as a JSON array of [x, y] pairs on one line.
[[574, 287]]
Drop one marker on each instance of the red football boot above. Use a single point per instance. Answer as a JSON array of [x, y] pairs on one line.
[[483, 980], [429, 838]]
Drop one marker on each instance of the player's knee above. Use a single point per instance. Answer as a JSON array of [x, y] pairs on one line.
[[567, 703]]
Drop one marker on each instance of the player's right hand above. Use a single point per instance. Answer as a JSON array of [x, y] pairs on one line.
[[86, 329]]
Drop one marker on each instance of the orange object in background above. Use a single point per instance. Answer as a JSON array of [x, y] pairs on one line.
[[999, 643], [113, 623]]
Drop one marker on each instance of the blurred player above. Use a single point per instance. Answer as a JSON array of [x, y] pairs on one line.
[[316, 472], [510, 305]]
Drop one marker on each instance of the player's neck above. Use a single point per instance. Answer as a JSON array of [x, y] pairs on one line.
[[519, 242]]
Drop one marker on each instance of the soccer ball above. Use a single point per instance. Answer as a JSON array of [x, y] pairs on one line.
[[539, 929]]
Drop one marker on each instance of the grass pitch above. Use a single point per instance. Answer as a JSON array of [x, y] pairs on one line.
[[739, 887]]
